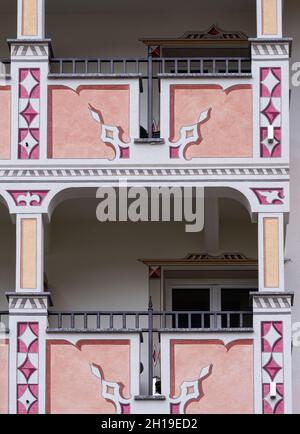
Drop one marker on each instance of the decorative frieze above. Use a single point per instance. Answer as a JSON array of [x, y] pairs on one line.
[[272, 49], [28, 303], [91, 172], [273, 302], [29, 50]]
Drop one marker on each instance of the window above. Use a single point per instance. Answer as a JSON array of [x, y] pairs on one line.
[[230, 304], [191, 300], [236, 300]]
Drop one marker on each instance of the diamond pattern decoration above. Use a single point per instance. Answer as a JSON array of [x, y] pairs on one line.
[[271, 337], [29, 113], [271, 148], [269, 81], [270, 112], [27, 368], [273, 405], [272, 366], [28, 84], [270, 109], [27, 400]]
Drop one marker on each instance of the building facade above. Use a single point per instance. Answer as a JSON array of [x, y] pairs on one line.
[[135, 315]]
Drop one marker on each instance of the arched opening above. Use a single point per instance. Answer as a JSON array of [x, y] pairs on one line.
[[102, 260]]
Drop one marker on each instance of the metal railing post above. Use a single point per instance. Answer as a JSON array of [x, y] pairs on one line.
[[150, 92], [150, 348]]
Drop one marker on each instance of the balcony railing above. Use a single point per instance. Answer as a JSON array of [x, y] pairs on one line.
[[231, 66], [119, 321]]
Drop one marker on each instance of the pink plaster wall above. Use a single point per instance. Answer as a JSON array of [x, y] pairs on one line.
[[4, 376], [229, 388], [5, 122], [73, 133], [71, 386], [228, 132]]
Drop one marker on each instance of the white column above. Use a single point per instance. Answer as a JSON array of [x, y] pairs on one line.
[[31, 19], [271, 251], [269, 18], [28, 307], [272, 352]]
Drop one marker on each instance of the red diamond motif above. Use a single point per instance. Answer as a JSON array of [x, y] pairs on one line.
[[272, 368], [29, 114], [270, 112], [27, 369]]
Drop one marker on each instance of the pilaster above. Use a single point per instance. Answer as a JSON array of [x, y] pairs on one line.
[[272, 352], [269, 18], [271, 251], [29, 253], [31, 19], [27, 358]]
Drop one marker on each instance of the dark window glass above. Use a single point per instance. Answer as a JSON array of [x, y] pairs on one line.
[[191, 300], [236, 300]]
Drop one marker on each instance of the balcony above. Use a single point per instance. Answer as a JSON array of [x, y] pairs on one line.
[[152, 94], [150, 326]]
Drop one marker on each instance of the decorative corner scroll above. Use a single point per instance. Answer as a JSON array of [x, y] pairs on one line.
[[190, 391], [111, 391], [28, 198], [111, 135], [270, 196], [189, 135]]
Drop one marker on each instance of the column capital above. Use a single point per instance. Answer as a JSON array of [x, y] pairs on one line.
[[30, 49], [29, 303], [271, 302]]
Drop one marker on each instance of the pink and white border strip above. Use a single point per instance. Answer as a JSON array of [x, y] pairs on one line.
[[27, 367], [272, 367], [270, 112], [29, 114]]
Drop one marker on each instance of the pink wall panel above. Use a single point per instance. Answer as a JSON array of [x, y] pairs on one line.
[[228, 388], [4, 376], [73, 133], [228, 130], [5, 122], [71, 386]]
